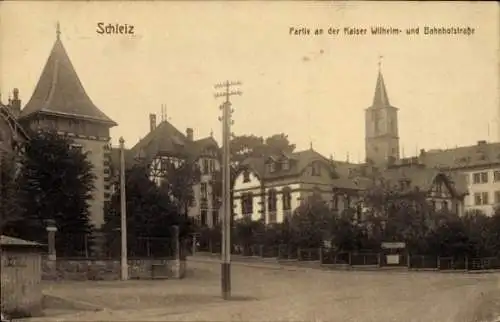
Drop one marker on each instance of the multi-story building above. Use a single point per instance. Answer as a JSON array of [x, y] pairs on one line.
[[271, 188], [165, 146], [480, 166], [60, 103]]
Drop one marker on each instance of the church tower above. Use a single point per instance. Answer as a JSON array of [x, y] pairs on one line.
[[381, 127], [60, 103]]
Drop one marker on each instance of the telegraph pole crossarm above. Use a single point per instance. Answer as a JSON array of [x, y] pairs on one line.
[[226, 188]]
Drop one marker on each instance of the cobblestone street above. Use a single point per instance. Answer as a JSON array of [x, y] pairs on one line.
[[264, 294]]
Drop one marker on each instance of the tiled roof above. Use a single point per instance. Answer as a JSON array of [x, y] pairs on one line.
[[298, 162], [422, 177], [60, 92], [479, 155], [165, 139], [12, 241], [201, 144]]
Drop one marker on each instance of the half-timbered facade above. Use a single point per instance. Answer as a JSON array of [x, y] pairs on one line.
[[166, 149], [479, 164]]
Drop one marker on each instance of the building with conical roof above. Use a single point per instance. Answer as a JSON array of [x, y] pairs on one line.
[[60, 103]]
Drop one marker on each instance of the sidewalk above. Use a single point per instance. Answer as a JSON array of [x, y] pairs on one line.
[[295, 265]]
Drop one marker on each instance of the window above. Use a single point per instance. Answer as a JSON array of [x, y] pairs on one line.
[[212, 166], [285, 165], [496, 176], [271, 201], [316, 169], [75, 146], [203, 189], [272, 217], [206, 166], [348, 201], [497, 196], [480, 177], [215, 217], [287, 199], [247, 203], [246, 176], [203, 217], [335, 202], [271, 167], [481, 198], [467, 178], [445, 205]]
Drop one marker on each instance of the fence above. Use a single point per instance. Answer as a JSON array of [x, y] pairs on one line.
[[331, 257], [109, 246]]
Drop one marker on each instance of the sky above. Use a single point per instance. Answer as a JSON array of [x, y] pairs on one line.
[[314, 88]]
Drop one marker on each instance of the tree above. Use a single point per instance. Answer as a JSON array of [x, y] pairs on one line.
[[56, 182], [310, 224], [150, 214], [179, 182], [245, 146], [279, 143], [494, 233], [394, 215], [346, 235], [9, 189]]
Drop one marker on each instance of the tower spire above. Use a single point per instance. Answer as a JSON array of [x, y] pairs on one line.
[[380, 99], [58, 30]]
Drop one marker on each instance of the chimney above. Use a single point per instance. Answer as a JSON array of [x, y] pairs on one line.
[[15, 103], [189, 133], [152, 122]]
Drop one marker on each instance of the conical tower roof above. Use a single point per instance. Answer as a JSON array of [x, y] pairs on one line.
[[60, 92], [380, 99]]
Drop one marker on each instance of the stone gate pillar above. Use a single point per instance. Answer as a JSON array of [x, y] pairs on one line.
[[51, 243]]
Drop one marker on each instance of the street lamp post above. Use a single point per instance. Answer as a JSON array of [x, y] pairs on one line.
[[123, 213]]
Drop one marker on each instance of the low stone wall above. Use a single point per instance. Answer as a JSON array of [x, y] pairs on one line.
[[109, 269]]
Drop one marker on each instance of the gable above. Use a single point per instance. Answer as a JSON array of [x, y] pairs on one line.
[[246, 179], [441, 188]]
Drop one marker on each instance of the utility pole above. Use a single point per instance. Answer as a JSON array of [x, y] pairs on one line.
[[123, 213], [226, 188]]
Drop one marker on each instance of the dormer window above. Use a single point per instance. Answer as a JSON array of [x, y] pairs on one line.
[[76, 146], [271, 167], [246, 176], [316, 169]]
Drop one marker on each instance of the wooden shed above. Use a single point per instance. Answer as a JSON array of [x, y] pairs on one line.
[[21, 272]]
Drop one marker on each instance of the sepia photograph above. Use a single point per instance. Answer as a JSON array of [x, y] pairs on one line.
[[250, 161]]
